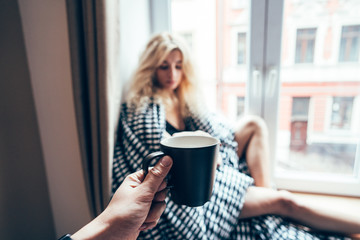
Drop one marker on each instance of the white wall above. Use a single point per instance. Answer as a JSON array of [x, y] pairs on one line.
[[135, 32]]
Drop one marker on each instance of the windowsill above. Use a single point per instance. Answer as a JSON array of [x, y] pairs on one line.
[[348, 204], [322, 184]]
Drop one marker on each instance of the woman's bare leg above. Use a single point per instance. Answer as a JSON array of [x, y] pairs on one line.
[[252, 137], [260, 201]]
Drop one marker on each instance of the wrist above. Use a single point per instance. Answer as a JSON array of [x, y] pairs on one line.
[[96, 229], [118, 228], [106, 227]]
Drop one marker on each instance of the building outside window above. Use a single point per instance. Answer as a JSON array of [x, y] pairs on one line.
[[314, 120], [305, 45], [349, 46]]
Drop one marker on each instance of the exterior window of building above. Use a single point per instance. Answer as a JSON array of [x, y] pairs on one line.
[[241, 48], [305, 45], [341, 112], [300, 108], [349, 45], [240, 106], [299, 123]]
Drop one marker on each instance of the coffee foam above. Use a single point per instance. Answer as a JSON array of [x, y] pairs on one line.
[[189, 141]]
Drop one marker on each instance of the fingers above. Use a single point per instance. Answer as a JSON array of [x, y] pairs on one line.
[[157, 208], [134, 179], [146, 226], [161, 196], [162, 186], [156, 175]]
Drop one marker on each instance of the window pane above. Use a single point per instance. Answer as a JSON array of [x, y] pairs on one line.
[[241, 51], [319, 116], [342, 108], [300, 108], [349, 46], [240, 106], [305, 41]]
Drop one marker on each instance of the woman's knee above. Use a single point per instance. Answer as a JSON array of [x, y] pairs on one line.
[[253, 123]]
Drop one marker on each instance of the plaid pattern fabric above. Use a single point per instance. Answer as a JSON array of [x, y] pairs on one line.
[[140, 132]]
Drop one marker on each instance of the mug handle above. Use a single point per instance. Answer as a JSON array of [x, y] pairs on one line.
[[148, 159]]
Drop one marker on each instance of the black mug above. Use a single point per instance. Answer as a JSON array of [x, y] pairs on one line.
[[192, 175]]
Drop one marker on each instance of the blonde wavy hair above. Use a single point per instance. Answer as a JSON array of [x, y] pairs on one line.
[[143, 85]]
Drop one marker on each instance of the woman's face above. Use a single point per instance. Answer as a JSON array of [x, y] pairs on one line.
[[169, 74]]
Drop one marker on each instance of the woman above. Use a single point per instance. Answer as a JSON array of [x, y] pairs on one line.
[[164, 98]]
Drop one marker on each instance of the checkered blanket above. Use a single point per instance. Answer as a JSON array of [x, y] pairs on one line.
[[140, 131]]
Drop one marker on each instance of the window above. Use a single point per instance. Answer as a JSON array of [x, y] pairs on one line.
[[300, 108], [240, 106], [314, 136], [241, 48], [318, 138], [349, 46], [305, 45], [299, 124], [341, 112]]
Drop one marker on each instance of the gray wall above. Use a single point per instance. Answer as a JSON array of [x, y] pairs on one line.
[[25, 211]]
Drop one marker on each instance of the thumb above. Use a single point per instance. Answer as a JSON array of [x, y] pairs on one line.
[[157, 174]]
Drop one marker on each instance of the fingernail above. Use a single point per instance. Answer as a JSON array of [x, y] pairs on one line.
[[165, 161]]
